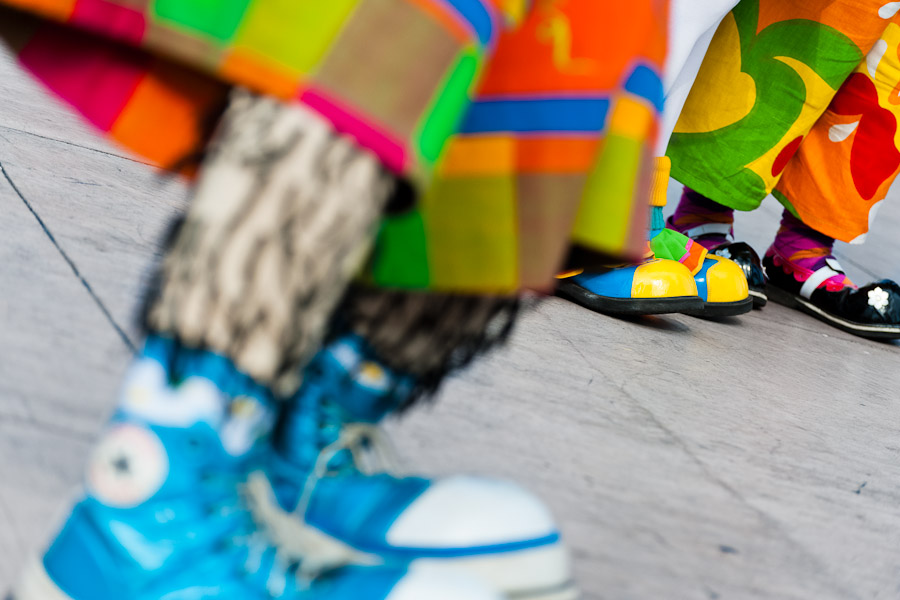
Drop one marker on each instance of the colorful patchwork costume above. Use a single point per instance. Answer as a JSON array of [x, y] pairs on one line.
[[377, 179], [677, 275], [549, 151]]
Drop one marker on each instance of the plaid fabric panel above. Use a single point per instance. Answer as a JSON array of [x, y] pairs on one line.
[[551, 149], [310, 51]]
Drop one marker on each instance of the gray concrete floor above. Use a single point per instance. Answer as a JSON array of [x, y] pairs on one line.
[[748, 458]]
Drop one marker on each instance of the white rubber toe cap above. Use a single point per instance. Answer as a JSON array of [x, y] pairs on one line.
[[435, 584], [465, 512]]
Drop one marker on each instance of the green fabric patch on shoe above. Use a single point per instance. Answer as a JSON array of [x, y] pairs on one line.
[[671, 245]]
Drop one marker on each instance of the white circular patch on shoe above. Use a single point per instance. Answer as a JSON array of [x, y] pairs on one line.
[[128, 467]]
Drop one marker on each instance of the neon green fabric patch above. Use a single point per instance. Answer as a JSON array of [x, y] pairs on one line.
[[670, 245], [216, 18], [606, 208], [447, 111], [294, 33], [401, 254]]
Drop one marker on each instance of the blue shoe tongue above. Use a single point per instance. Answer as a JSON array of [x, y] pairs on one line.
[[355, 380], [343, 384]]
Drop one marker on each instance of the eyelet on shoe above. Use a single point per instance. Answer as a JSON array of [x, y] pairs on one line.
[[194, 445]]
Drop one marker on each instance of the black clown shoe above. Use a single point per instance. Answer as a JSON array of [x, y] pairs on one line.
[[872, 311], [740, 252], [747, 258]]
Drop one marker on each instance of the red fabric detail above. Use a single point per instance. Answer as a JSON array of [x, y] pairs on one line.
[[785, 156], [94, 76], [873, 157], [120, 22]]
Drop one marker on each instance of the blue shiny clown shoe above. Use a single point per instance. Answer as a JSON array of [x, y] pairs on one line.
[[653, 288], [162, 517], [722, 284], [323, 488]]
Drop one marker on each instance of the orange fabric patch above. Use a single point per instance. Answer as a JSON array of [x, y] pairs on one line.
[[481, 155], [556, 155], [500, 155], [575, 46], [252, 70], [164, 120], [696, 254], [59, 10]]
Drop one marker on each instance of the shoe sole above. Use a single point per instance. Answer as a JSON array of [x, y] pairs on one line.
[[723, 309], [872, 332], [547, 569], [567, 591], [36, 584], [760, 298], [627, 307]]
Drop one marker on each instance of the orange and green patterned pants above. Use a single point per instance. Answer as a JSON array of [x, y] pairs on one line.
[[800, 99]]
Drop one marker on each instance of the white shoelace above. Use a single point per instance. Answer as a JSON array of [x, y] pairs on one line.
[[370, 447]]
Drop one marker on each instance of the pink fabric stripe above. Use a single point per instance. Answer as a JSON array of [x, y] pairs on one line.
[[687, 253], [120, 22], [97, 78], [391, 151]]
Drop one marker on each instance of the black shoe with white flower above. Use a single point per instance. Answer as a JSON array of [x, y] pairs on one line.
[[748, 260], [871, 311]]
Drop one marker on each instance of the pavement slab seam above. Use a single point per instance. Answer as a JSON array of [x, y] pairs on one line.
[[73, 144], [75, 271]]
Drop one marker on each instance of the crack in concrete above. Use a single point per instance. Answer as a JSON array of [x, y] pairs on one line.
[[83, 147], [84, 282]]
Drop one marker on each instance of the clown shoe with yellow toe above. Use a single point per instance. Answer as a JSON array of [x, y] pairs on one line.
[[653, 287]]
